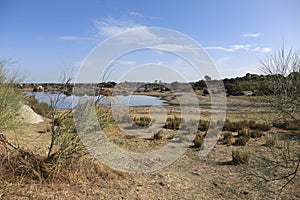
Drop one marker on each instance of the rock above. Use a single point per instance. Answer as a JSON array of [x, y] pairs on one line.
[[20, 86], [27, 115], [247, 93], [38, 88]]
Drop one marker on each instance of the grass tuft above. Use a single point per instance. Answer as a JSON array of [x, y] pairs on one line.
[[240, 157]]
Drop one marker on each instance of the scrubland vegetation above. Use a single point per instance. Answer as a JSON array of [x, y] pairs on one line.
[[254, 158]]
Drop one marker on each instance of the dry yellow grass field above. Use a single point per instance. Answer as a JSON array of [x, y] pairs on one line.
[[213, 177]]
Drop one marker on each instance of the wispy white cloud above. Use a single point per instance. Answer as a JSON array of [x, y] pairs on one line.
[[72, 38], [262, 50], [231, 48], [141, 35], [112, 26], [245, 47], [251, 35], [176, 47], [124, 62]]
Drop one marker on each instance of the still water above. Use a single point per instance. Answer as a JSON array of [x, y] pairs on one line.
[[118, 100]]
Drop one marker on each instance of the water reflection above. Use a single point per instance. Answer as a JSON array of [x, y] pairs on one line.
[[115, 101]]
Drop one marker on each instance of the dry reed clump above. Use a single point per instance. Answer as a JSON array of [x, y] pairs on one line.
[[19, 166], [271, 140], [203, 125], [84, 170], [286, 125], [263, 127], [241, 141], [228, 138], [142, 121], [256, 133], [198, 141], [158, 135], [174, 123], [240, 157], [243, 132], [244, 124], [234, 126]]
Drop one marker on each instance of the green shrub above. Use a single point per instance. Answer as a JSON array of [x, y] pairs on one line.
[[105, 118], [70, 146], [10, 100], [69, 125], [41, 108], [241, 141], [240, 157]]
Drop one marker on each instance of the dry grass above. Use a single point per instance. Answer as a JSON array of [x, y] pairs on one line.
[[240, 157], [188, 178]]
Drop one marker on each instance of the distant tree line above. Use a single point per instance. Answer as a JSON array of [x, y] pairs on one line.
[[251, 84]]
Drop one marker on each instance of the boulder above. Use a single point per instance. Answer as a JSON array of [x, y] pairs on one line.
[[27, 115]]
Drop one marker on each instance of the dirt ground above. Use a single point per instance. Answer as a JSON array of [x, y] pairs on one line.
[[213, 177]]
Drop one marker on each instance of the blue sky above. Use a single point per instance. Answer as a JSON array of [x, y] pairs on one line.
[[44, 38]]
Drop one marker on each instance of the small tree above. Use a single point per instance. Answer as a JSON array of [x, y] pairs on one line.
[[283, 80], [280, 163], [64, 145], [63, 130]]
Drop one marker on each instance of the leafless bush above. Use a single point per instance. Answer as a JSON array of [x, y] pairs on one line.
[[63, 130], [279, 161]]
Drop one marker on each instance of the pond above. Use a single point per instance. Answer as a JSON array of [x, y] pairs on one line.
[[118, 100]]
